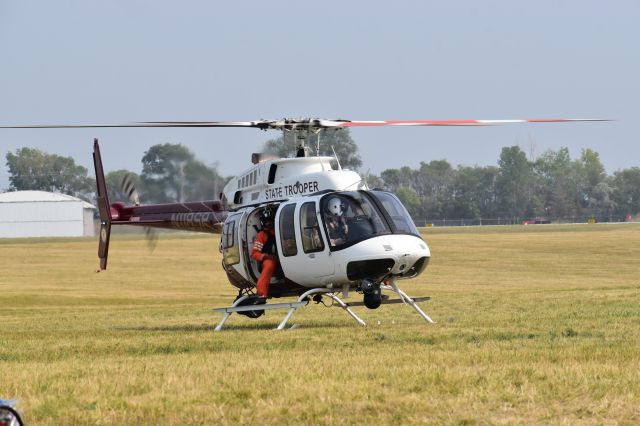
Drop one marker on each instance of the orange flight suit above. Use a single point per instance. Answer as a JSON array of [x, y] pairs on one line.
[[264, 250]]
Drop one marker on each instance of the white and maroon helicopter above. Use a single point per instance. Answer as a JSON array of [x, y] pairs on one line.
[[334, 235]]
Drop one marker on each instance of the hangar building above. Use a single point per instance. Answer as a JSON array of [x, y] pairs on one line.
[[44, 214]]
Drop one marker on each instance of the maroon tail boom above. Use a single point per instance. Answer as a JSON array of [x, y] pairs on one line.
[[197, 216]]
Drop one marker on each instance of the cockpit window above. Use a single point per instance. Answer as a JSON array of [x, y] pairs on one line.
[[402, 222], [350, 217]]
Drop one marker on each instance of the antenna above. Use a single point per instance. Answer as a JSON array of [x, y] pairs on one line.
[[336, 157], [532, 148]]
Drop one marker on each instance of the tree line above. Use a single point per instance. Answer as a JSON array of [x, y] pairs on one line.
[[553, 185], [170, 173]]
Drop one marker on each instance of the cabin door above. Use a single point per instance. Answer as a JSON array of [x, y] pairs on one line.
[[304, 254]]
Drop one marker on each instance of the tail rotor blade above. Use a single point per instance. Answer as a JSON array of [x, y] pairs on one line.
[[152, 238], [130, 190]]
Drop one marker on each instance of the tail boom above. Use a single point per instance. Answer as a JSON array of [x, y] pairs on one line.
[[198, 216]]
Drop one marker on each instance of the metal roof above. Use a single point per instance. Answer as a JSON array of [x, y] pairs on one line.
[[39, 196]]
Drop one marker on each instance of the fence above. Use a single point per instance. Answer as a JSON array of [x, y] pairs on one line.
[[515, 220]]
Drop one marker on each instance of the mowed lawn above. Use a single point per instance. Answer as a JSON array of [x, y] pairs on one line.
[[536, 324]]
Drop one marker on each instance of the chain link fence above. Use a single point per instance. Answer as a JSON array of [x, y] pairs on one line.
[[517, 221]]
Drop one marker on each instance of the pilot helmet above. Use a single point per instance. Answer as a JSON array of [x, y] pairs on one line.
[[266, 218], [335, 206]]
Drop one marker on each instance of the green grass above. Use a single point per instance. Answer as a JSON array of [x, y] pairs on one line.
[[537, 324]]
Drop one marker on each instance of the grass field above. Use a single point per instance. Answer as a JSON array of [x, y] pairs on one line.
[[537, 324]]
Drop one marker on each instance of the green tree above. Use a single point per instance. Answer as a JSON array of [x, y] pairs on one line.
[[330, 139], [601, 202], [593, 192], [626, 191], [593, 168], [474, 192], [434, 183], [395, 179], [411, 200], [171, 173], [564, 184], [32, 169], [513, 181]]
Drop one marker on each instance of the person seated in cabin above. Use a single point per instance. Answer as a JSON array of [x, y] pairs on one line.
[[311, 240], [336, 223], [265, 251]]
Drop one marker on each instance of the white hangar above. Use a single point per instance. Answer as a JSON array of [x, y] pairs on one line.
[[44, 214]]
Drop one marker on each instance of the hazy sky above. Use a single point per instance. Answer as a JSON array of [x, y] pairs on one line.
[[118, 61]]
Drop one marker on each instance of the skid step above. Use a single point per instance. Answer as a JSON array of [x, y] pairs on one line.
[[264, 307]]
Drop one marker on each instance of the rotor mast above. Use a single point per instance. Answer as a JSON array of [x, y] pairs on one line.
[[301, 130]]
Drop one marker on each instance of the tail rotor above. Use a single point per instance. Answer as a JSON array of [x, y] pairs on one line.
[[128, 187]]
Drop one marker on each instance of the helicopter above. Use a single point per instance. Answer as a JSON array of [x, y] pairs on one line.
[[333, 234]]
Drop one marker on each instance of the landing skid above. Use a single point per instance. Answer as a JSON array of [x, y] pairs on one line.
[[303, 300], [236, 308], [407, 300]]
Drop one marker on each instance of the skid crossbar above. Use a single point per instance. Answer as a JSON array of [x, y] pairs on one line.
[[327, 292]]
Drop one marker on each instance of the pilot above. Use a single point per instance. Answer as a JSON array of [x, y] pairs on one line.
[[265, 252], [336, 222]]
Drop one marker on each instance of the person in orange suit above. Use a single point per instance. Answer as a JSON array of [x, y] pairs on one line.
[[265, 252]]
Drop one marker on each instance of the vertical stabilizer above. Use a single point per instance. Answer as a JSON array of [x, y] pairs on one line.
[[103, 207]]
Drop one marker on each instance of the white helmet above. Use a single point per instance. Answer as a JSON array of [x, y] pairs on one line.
[[336, 206]]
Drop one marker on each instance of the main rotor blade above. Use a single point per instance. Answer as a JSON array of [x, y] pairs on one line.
[[258, 124], [299, 124], [458, 122]]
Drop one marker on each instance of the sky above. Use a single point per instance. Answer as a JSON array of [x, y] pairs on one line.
[[84, 61]]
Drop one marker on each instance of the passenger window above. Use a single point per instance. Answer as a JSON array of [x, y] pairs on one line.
[[227, 237], [230, 250], [287, 231], [310, 230], [272, 174]]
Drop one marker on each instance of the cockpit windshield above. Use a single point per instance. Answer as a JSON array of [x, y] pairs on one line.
[[402, 222], [351, 217]]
